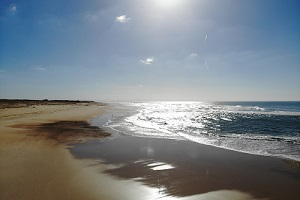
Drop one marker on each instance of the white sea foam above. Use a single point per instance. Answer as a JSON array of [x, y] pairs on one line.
[[247, 128]]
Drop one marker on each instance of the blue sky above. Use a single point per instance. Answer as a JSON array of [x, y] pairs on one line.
[[132, 50]]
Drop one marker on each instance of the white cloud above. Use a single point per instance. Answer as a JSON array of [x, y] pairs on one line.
[[13, 8], [40, 69], [122, 19], [147, 61], [193, 55]]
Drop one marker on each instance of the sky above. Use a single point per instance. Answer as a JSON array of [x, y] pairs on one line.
[[146, 50]]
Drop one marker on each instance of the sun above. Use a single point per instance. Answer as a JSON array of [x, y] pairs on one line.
[[168, 3]]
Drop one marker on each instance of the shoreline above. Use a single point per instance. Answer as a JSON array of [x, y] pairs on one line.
[[182, 169], [135, 157]]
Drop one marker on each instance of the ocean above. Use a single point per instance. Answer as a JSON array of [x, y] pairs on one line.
[[261, 128]]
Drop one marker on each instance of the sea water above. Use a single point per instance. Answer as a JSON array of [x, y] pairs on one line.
[[263, 128]]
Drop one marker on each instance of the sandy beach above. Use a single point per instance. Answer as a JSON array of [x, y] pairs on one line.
[[35, 163], [48, 150]]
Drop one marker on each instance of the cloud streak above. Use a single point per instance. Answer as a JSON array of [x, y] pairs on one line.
[[40, 69], [2, 72], [206, 66], [91, 16], [122, 19], [98, 16], [147, 61], [193, 55]]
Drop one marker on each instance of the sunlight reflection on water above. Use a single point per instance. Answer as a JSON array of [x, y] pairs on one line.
[[250, 127]]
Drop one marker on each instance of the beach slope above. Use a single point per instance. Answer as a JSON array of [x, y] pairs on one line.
[[35, 163]]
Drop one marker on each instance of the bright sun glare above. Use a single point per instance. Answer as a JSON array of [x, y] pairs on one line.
[[168, 3]]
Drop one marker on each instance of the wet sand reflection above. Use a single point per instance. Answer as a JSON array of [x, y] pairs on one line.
[[185, 170]]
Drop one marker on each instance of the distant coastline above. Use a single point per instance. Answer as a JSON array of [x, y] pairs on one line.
[[16, 103]]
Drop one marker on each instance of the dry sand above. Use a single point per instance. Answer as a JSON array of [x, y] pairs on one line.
[[35, 165]]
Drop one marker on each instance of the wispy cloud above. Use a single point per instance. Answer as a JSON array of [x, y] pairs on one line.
[[50, 21], [206, 66], [2, 72], [91, 17], [98, 16], [193, 55], [122, 19], [40, 69], [13, 8], [148, 61]]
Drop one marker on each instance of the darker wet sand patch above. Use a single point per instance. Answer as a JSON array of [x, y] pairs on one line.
[[67, 132]]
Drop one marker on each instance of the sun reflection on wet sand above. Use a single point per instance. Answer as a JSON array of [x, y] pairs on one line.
[[112, 188], [181, 170], [157, 166], [216, 195], [162, 167]]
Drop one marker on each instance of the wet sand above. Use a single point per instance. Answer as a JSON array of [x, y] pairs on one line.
[[185, 169]]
